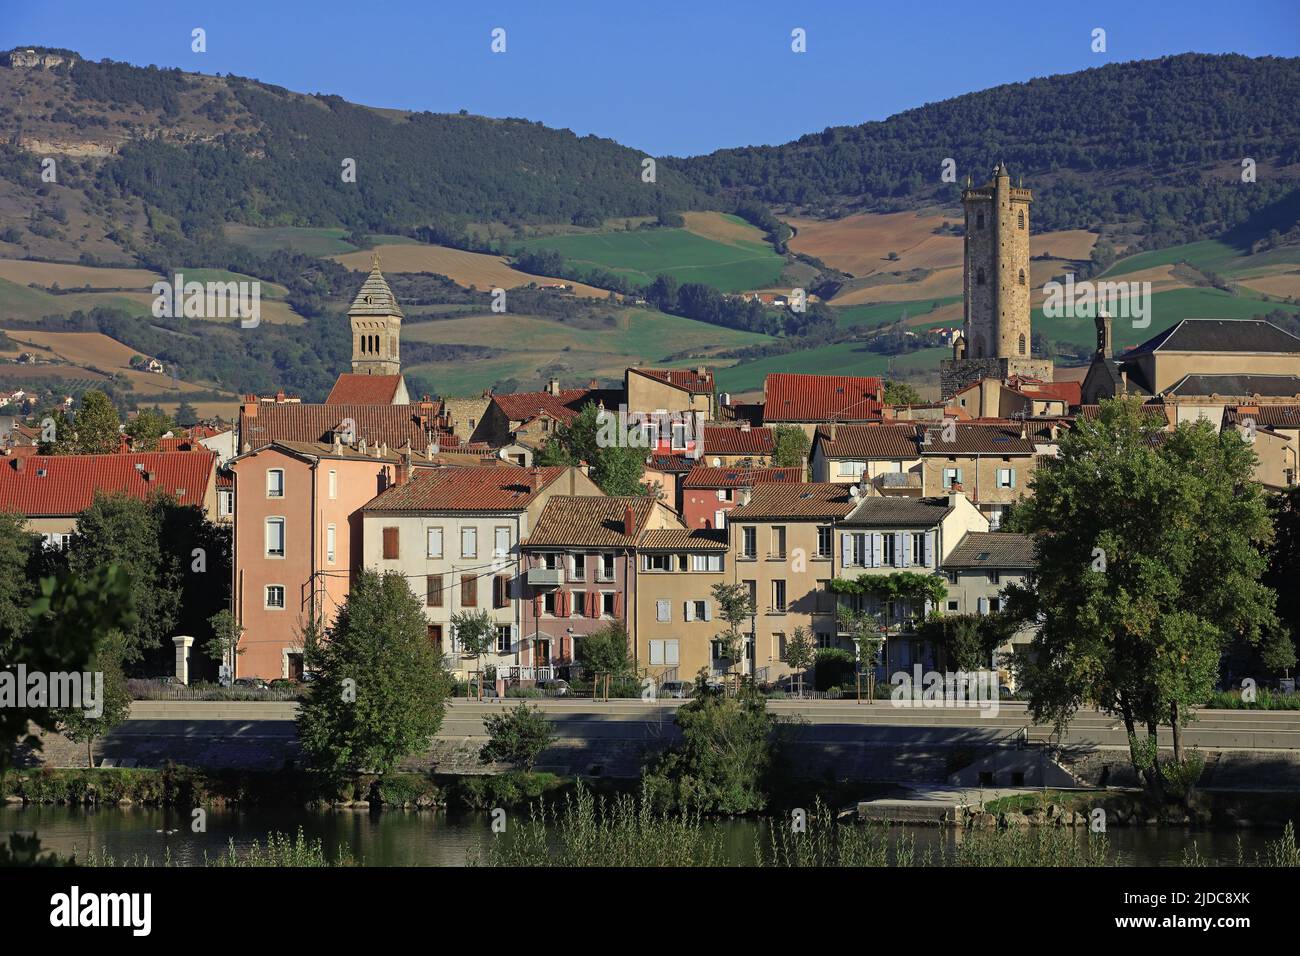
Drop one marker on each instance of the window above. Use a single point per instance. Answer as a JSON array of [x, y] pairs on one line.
[[468, 590], [548, 603], [501, 590], [433, 590], [952, 605], [391, 550], [679, 436], [995, 605], [720, 518], [609, 604], [889, 541], [778, 542], [824, 640], [752, 588], [856, 553], [1006, 477], [852, 469], [505, 638], [502, 547], [225, 504], [664, 653], [469, 542], [579, 567], [749, 542], [657, 562], [1022, 338], [995, 577], [434, 633], [918, 548], [275, 596], [663, 611], [778, 596], [275, 483], [330, 535], [433, 543], [951, 476], [706, 562], [697, 611], [333, 485], [1020, 219], [607, 567], [824, 542], [275, 537]]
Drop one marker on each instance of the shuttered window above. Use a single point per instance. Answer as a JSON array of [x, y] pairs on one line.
[[468, 590], [390, 544]]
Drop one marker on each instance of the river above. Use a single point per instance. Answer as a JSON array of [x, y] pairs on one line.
[[411, 838]]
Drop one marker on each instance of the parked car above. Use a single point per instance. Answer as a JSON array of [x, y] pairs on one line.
[[555, 688], [250, 683], [676, 689]]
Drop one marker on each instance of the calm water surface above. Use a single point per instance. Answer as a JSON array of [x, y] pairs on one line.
[[409, 838]]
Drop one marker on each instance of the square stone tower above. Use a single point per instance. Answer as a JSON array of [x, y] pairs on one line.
[[996, 337], [376, 323]]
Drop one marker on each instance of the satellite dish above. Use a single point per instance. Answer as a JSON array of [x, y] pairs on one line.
[[717, 463], [853, 491]]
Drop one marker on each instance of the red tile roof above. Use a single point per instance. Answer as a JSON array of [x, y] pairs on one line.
[[729, 440], [978, 439], [792, 397], [590, 521], [59, 485], [1069, 392], [704, 477], [475, 488], [179, 444], [352, 388], [687, 379], [525, 406], [393, 425], [670, 463], [870, 441], [811, 499]]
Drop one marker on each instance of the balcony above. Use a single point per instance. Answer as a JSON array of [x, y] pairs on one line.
[[545, 577]]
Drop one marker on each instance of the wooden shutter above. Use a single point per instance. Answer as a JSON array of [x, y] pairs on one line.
[[468, 590], [390, 544], [501, 590], [433, 590]]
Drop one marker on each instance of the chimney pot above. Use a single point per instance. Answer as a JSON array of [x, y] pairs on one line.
[[629, 521], [744, 425]]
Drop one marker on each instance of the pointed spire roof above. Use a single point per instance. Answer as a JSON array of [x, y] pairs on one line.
[[375, 297]]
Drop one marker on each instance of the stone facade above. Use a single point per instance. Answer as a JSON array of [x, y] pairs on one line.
[[376, 321]]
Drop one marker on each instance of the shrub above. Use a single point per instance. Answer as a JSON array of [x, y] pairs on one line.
[[834, 666], [518, 736]]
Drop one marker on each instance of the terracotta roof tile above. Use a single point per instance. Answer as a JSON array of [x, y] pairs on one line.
[[702, 476], [392, 425], [687, 379], [730, 440], [682, 539], [979, 439], [477, 488], [1265, 416], [352, 388], [792, 397], [66, 484], [870, 441], [525, 406], [992, 549], [590, 521], [812, 499]]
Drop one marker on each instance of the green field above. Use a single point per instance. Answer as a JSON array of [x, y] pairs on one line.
[[884, 313], [845, 358], [1167, 308], [735, 266], [308, 241], [533, 344], [1211, 254]]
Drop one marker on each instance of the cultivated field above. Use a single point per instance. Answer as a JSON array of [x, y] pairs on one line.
[[68, 276], [939, 284], [727, 253], [308, 241], [464, 268], [850, 358]]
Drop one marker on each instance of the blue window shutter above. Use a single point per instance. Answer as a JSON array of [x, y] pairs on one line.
[[900, 549], [1013, 477], [927, 550]]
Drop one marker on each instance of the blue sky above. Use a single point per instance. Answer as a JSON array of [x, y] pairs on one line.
[[665, 76]]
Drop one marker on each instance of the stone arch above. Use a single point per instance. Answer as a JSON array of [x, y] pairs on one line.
[[1022, 276]]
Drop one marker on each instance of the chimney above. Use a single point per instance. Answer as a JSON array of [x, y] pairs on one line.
[[744, 425], [724, 399], [553, 386], [250, 406], [279, 397], [338, 444], [955, 492], [629, 521], [535, 479], [1024, 430], [832, 431], [702, 371], [593, 384], [18, 465]]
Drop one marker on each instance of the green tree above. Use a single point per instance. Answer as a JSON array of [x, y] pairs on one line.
[[789, 446], [186, 414], [1149, 560], [800, 653], [518, 736], [129, 532], [735, 607], [147, 428], [227, 632], [68, 619], [606, 651], [967, 640], [726, 757], [901, 393], [19, 550], [475, 634], [379, 689], [114, 705], [617, 462], [1282, 574], [94, 431]]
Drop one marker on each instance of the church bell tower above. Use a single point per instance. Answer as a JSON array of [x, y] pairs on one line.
[[376, 323]]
